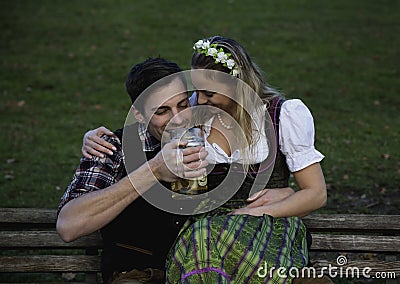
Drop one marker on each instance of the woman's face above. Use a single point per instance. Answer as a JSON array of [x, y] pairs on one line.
[[213, 93], [215, 99]]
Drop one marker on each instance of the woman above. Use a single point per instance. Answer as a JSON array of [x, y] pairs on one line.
[[234, 242]]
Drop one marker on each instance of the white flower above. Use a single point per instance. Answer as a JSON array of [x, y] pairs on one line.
[[208, 49], [198, 44], [230, 63], [212, 51], [221, 57], [206, 44]]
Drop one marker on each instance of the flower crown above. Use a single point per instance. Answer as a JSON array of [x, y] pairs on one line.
[[219, 55]]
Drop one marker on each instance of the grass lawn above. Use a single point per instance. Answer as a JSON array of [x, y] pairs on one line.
[[63, 66]]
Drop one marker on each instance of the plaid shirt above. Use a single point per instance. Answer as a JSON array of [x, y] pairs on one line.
[[148, 141], [99, 173]]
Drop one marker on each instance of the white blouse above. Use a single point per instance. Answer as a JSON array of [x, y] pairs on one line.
[[296, 135], [296, 139], [217, 155]]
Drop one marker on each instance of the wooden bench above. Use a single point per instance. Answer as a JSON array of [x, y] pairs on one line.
[[32, 250]]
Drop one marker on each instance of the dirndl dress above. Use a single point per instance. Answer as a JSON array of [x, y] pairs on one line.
[[223, 248]]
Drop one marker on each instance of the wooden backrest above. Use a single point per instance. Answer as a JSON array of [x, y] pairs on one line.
[[31, 232], [354, 232]]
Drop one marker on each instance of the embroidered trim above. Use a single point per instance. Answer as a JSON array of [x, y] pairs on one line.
[[205, 270]]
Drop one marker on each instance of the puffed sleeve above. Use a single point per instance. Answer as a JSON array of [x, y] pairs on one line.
[[296, 135]]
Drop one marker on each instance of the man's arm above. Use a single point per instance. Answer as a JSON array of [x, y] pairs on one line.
[[92, 211]]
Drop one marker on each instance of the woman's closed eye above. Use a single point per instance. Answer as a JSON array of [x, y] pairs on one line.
[[184, 105], [160, 111], [206, 93]]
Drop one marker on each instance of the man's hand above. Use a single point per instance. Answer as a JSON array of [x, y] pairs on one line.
[[173, 162]]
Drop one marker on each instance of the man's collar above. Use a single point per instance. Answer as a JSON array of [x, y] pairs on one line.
[[149, 142]]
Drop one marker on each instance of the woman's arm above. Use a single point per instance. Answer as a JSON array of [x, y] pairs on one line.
[[311, 196], [93, 145]]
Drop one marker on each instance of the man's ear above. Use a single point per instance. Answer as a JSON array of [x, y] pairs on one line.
[[138, 115]]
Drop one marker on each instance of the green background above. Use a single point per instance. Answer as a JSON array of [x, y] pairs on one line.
[[64, 63]]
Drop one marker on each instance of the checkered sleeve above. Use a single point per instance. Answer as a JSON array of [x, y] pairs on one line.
[[95, 173]]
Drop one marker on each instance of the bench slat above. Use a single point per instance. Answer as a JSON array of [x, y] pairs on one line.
[[377, 266], [330, 242], [50, 263], [46, 239], [314, 221], [374, 223], [28, 215]]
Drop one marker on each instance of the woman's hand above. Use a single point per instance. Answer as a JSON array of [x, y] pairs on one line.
[[93, 145], [259, 200], [268, 196]]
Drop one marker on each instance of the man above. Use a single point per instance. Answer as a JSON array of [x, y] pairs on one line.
[[106, 195]]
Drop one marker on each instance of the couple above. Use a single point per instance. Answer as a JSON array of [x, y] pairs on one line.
[[229, 243]]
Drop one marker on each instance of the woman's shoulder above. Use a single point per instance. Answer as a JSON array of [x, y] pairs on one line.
[[293, 104], [296, 135], [279, 104], [295, 109]]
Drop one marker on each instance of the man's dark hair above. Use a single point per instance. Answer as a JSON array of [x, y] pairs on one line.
[[144, 74]]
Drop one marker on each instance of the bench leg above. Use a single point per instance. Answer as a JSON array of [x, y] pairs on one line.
[[91, 277]]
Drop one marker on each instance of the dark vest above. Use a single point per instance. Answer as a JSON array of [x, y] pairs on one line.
[[142, 234], [280, 174]]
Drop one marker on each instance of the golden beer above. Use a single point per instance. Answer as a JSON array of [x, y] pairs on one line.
[[189, 187]]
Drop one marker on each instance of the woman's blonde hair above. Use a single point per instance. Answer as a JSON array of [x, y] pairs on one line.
[[250, 75]]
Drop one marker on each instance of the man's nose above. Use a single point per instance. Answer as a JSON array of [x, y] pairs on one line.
[[177, 117]]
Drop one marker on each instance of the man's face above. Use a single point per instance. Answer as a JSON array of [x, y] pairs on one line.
[[165, 107]]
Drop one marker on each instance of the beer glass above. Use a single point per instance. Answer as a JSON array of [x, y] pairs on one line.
[[189, 187]]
